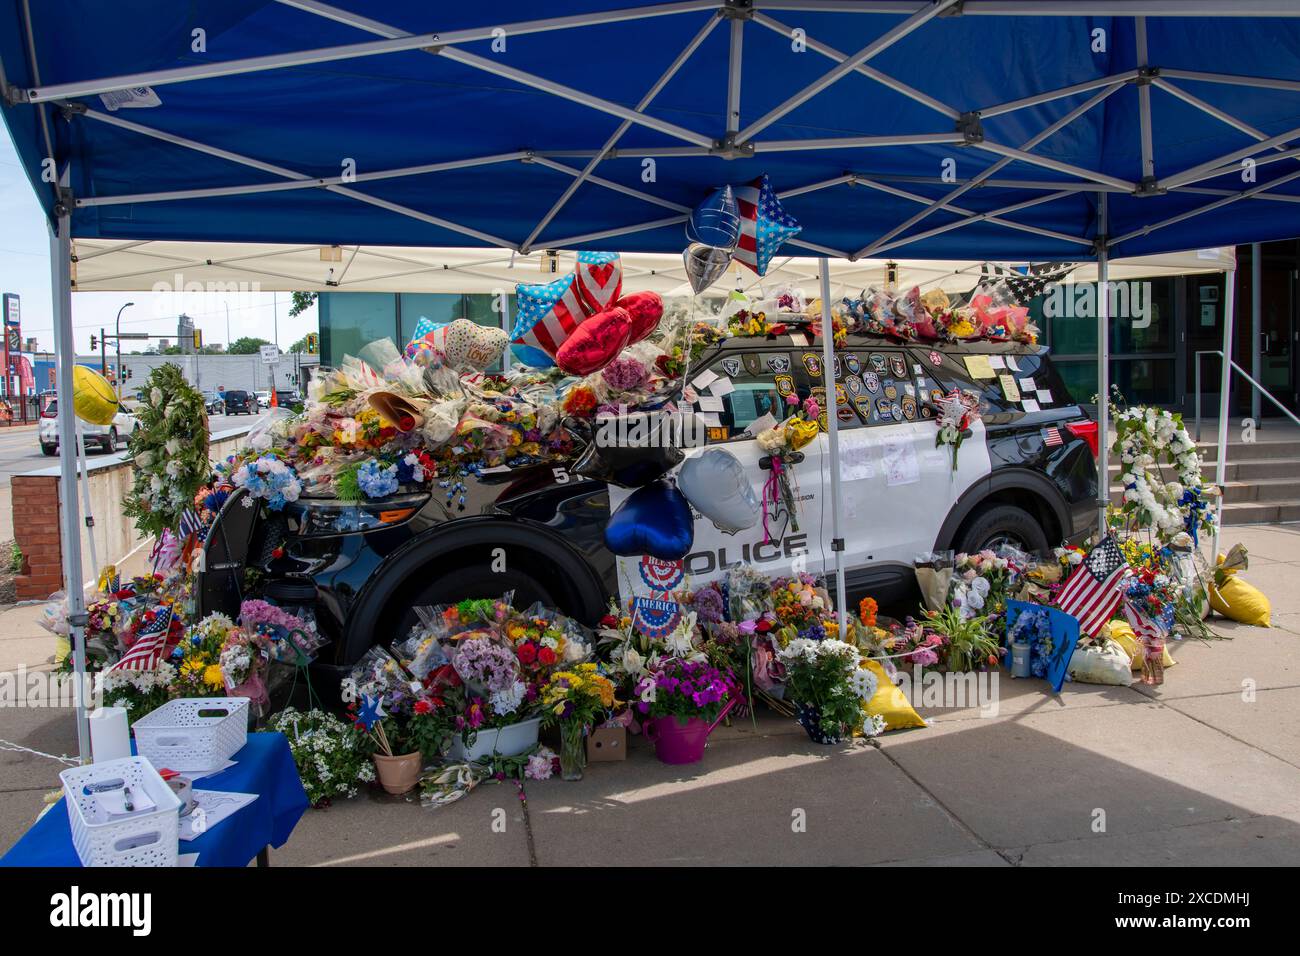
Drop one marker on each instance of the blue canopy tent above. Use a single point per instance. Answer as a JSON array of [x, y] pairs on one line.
[[1009, 129]]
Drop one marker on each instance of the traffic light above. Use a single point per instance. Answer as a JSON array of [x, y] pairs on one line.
[[94, 341], [313, 343]]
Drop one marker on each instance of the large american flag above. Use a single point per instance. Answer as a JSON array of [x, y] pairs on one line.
[[1006, 286], [764, 224], [1094, 590], [548, 314], [149, 645]]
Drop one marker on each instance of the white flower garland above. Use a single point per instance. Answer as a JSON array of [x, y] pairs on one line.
[[1147, 437]]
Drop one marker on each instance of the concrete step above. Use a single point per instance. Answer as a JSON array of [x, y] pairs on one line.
[[1272, 512], [1238, 470], [1252, 451]]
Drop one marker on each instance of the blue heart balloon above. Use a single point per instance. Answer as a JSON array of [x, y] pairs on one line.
[[533, 357], [716, 221], [655, 520]]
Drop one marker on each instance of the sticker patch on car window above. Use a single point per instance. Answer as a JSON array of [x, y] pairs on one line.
[[779, 363]]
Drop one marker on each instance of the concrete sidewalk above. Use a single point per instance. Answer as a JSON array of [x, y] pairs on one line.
[[1204, 770]]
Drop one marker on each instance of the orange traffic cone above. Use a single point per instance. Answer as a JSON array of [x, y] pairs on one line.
[[274, 403]]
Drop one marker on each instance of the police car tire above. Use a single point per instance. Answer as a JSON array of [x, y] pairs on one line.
[[997, 521]]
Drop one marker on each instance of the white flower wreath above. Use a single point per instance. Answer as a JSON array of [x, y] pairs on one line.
[[1147, 438]]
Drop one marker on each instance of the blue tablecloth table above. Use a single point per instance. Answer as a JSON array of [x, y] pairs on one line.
[[264, 766]]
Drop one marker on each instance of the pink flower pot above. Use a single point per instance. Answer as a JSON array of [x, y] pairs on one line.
[[677, 741]]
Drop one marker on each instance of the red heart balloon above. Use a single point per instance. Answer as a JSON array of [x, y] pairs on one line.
[[595, 343], [646, 309]]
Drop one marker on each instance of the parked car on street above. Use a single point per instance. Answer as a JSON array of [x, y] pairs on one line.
[[213, 402], [1026, 477], [107, 437], [239, 402], [287, 398]]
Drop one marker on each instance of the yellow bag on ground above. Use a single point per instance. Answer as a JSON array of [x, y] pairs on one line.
[[890, 702], [1122, 634], [1240, 601]]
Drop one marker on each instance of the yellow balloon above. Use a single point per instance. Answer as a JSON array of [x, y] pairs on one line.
[[92, 396]]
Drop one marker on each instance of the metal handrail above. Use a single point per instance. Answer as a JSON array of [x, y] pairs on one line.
[[1244, 374]]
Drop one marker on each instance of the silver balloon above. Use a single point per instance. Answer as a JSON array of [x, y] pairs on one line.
[[705, 264]]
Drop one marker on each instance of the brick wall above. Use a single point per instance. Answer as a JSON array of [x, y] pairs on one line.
[[36, 531]]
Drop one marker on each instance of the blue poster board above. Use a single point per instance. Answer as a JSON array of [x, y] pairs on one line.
[[1065, 636]]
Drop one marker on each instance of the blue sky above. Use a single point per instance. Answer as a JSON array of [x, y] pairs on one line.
[[25, 269]]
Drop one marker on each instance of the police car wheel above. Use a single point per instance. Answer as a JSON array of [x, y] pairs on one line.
[[1003, 524]]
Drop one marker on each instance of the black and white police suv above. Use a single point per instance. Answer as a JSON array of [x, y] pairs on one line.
[[1025, 476]]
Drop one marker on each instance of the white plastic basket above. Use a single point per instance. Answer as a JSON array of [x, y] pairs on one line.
[[193, 733], [142, 839], [508, 741]]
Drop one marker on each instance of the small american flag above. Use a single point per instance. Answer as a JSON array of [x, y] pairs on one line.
[[190, 523], [1147, 630], [764, 224], [1093, 591], [1051, 436], [548, 314], [148, 648]]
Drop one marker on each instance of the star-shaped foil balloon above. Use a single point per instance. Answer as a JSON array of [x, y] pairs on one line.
[[764, 224]]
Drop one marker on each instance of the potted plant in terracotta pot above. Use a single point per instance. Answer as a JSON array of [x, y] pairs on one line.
[[398, 761], [827, 684], [681, 702], [576, 699]]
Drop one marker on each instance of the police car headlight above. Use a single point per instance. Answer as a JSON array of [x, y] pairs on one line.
[[318, 518]]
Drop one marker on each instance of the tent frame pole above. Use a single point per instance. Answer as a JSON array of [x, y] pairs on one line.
[[69, 514], [833, 448], [1225, 399], [1103, 366]]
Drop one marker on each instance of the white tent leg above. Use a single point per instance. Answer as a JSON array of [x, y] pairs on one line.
[[83, 479], [1225, 386], [1103, 368], [69, 517], [832, 420]]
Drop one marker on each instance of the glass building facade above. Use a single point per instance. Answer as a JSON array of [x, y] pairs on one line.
[[349, 321]]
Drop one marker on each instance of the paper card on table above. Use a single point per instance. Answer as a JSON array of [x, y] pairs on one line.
[[710, 419], [705, 379], [1008, 383], [997, 361], [213, 807], [1029, 405], [1045, 396], [721, 387], [709, 403], [196, 774], [898, 460], [1012, 364], [977, 366]]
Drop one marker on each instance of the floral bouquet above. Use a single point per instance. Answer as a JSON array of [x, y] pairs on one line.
[[243, 661], [1147, 439], [956, 413], [826, 680], [914, 643], [576, 699], [198, 657], [269, 478], [291, 637], [983, 582], [140, 692], [967, 641]]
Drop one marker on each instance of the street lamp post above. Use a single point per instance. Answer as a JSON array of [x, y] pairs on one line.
[[117, 341]]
